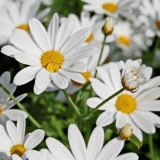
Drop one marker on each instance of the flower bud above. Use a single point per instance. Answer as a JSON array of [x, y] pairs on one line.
[[126, 132], [107, 29]]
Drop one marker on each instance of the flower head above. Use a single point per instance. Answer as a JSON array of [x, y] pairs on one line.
[[6, 111], [127, 107], [94, 149], [52, 55], [134, 74], [13, 140], [108, 26]]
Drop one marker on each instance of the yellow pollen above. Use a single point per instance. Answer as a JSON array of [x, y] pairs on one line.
[[52, 60], [24, 26], [86, 75], [18, 149], [126, 103], [90, 38], [158, 24], [124, 40], [110, 7], [1, 110]]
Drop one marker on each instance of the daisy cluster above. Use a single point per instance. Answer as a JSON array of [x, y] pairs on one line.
[[104, 94]]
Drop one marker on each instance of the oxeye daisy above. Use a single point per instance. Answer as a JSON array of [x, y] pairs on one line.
[[132, 108], [17, 15], [6, 104], [151, 12], [52, 55], [94, 149], [109, 7], [13, 141]]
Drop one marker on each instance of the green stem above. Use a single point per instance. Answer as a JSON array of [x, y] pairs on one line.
[[152, 155], [21, 106], [71, 103], [100, 56], [102, 103]]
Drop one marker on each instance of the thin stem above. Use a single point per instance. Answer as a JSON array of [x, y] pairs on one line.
[[71, 103], [21, 107], [102, 103], [152, 155], [100, 56]]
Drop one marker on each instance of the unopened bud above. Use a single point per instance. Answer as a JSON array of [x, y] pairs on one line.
[[126, 132], [107, 29]]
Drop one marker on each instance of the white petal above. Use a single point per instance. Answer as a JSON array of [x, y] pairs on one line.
[[53, 29], [15, 157], [121, 119], [76, 142], [34, 139], [149, 105], [57, 147], [75, 41], [115, 76], [23, 41], [64, 33], [77, 77], [42, 80], [21, 127], [140, 118], [27, 59], [149, 94], [111, 149], [9, 50], [12, 132], [128, 156], [5, 78], [13, 114], [3, 119], [26, 75], [60, 80], [39, 34], [95, 143], [106, 118], [100, 88], [81, 52]]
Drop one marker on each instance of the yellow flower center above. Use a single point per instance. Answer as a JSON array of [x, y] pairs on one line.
[[24, 26], [124, 40], [1, 110], [110, 7], [126, 103], [89, 39], [158, 24], [52, 60], [86, 75], [18, 149]]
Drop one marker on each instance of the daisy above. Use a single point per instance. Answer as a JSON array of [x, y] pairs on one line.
[[52, 55], [109, 7], [127, 107], [6, 104], [17, 15], [128, 38], [151, 16], [13, 140], [94, 150]]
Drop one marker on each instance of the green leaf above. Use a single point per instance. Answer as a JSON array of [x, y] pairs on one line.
[[136, 141]]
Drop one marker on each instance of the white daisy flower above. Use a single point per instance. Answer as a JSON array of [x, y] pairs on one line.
[[134, 74], [109, 7], [150, 10], [13, 140], [128, 38], [6, 104], [17, 15], [127, 107], [52, 55], [94, 149]]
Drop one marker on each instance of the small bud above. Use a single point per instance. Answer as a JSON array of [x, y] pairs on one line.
[[134, 74], [126, 132], [107, 29]]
